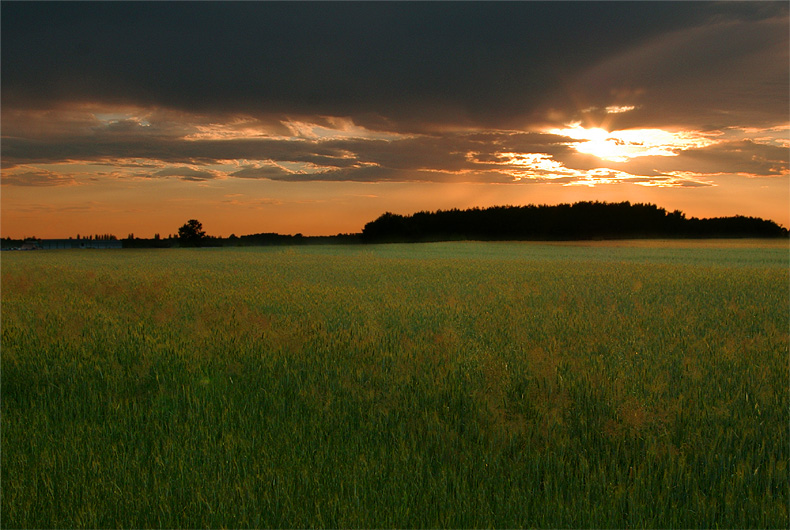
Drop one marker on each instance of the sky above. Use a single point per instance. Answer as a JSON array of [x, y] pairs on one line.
[[316, 118]]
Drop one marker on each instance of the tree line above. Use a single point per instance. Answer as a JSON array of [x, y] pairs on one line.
[[578, 221]]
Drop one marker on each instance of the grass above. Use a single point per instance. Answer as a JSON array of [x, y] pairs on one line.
[[601, 385]]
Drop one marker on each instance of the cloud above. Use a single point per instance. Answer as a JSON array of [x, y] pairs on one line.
[[419, 67], [153, 149], [188, 173], [376, 92], [721, 74], [37, 178], [324, 94], [270, 172], [743, 157]]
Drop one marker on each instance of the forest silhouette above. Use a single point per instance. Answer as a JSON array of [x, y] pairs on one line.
[[578, 221]]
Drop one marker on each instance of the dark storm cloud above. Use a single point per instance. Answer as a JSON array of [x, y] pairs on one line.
[[389, 66], [708, 77]]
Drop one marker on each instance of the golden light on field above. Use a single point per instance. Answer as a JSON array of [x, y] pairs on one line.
[[621, 146]]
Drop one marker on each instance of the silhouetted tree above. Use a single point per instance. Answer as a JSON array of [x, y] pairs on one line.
[[191, 234]]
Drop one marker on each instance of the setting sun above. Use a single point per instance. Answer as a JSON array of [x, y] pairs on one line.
[[621, 146]]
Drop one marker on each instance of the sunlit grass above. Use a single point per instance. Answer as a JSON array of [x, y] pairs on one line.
[[441, 385]]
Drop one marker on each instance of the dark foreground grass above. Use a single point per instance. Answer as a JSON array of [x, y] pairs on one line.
[[451, 385]]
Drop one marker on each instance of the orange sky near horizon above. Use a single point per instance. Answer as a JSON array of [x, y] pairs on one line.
[[332, 208]]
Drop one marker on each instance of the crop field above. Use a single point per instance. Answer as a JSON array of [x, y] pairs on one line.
[[605, 385]]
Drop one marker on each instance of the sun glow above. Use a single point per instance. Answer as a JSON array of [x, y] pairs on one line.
[[621, 146]]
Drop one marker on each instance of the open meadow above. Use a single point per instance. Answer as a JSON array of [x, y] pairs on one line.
[[603, 384]]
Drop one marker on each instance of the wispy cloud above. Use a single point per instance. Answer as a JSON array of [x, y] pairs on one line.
[[189, 173], [37, 178], [561, 155]]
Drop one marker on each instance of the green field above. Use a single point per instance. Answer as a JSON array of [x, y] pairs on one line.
[[609, 384]]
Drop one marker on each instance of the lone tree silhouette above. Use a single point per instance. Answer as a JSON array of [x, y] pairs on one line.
[[191, 234]]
